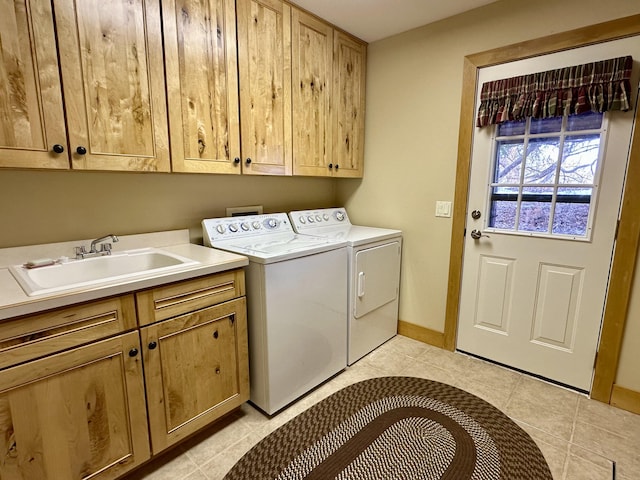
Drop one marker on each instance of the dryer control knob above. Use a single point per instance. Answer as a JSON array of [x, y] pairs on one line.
[[311, 219], [233, 227], [318, 218], [244, 226], [326, 217], [220, 228], [302, 219], [256, 225], [339, 216]]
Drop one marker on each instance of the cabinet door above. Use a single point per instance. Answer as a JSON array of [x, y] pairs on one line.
[[196, 370], [202, 84], [264, 57], [312, 65], [113, 77], [75, 415], [31, 114], [350, 57]]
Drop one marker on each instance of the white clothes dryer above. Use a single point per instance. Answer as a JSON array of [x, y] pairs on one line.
[[296, 304], [373, 275]]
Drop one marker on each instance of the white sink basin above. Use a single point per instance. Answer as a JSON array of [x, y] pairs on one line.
[[120, 266]]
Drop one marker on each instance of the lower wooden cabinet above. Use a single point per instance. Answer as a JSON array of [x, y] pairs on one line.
[[75, 415], [196, 370], [71, 412]]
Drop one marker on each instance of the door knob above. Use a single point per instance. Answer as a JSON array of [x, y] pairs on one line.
[[476, 234]]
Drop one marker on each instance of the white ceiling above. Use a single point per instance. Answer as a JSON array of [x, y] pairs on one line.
[[372, 20]]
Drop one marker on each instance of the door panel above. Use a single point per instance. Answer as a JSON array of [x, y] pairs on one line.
[[202, 85], [377, 272], [533, 299], [113, 72], [264, 56], [31, 112]]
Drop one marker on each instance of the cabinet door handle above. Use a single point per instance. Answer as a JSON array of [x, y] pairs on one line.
[[215, 334], [330, 166], [248, 161], [81, 150], [337, 166], [236, 160], [133, 352], [57, 148], [152, 345]]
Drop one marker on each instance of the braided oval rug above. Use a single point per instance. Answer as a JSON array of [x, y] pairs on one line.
[[396, 428]]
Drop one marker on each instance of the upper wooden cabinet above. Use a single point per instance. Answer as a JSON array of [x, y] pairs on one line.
[[113, 78], [312, 74], [251, 86], [350, 63], [31, 112], [202, 85], [329, 70], [264, 60]]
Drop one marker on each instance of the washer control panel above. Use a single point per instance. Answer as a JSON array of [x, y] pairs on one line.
[[327, 217], [227, 228]]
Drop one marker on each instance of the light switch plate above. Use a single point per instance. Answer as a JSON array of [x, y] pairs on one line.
[[443, 209]]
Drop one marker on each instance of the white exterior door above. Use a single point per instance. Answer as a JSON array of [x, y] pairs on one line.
[[548, 195]]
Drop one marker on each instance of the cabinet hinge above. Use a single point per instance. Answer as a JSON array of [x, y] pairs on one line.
[[595, 359], [617, 229]]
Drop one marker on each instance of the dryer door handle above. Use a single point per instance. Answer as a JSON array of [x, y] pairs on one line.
[[361, 285]]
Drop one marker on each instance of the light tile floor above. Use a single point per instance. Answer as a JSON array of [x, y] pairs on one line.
[[579, 437]]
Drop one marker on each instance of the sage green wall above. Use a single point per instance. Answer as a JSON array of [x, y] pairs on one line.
[[414, 82], [43, 207]]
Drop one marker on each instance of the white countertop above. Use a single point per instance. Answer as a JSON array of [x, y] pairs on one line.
[[15, 302]]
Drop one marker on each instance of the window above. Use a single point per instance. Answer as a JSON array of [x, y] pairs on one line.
[[545, 175]]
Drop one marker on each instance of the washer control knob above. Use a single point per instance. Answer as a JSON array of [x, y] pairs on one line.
[[244, 226], [311, 219], [220, 228], [318, 218], [339, 216], [233, 228], [302, 219], [271, 223], [256, 225], [326, 217]]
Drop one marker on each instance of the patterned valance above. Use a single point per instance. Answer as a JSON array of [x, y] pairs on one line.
[[598, 87]]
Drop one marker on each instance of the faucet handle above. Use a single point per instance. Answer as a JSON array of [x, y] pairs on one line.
[[106, 248], [80, 252]]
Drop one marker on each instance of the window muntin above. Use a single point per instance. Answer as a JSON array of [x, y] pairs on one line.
[[544, 176]]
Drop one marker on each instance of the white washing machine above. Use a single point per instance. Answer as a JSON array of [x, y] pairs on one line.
[[296, 304], [373, 272]]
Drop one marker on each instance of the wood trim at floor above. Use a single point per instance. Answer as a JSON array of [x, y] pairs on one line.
[[422, 334], [625, 399]]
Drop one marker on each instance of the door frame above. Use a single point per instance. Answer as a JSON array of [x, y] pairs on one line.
[[626, 246]]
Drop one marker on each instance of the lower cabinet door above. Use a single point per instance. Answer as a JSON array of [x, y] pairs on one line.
[[196, 370], [75, 415]]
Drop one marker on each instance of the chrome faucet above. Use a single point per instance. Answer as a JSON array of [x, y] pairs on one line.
[[105, 248]]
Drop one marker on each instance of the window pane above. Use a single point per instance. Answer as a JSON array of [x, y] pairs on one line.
[[542, 158], [585, 121], [545, 125], [572, 211], [511, 128], [579, 159], [509, 161], [535, 209], [504, 201]]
